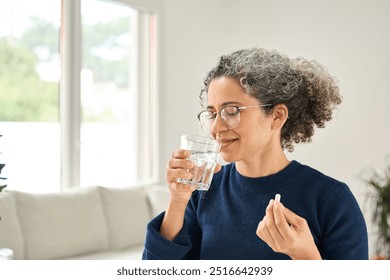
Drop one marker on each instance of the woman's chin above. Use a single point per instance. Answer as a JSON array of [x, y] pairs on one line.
[[227, 157]]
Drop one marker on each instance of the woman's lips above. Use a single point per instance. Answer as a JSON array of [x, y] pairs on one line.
[[226, 142]]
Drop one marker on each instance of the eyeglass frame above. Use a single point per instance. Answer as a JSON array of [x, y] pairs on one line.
[[239, 109]]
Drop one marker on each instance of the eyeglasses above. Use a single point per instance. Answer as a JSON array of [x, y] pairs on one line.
[[230, 116]]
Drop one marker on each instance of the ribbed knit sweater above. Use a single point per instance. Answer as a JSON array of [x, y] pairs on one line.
[[221, 223]]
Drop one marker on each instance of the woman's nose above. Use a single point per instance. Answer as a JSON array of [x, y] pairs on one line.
[[218, 125]]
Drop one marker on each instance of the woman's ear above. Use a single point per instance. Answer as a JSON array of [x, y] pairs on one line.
[[279, 115]]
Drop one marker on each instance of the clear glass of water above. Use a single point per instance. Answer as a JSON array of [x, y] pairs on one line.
[[204, 154]]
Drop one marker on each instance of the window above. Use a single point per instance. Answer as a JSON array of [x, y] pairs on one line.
[[78, 94], [29, 93]]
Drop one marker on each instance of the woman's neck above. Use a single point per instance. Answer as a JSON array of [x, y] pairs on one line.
[[262, 166]]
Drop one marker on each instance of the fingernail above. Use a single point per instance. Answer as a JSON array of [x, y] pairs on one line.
[[277, 197], [270, 201]]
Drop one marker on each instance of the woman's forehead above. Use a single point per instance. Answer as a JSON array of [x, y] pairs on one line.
[[227, 91]]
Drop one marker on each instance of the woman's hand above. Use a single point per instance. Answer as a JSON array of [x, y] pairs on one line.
[[285, 232], [179, 168]]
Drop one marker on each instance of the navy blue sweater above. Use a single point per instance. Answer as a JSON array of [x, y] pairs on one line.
[[221, 223]]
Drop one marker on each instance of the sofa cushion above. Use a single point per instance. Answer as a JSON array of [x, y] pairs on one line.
[[58, 225], [127, 213], [10, 231]]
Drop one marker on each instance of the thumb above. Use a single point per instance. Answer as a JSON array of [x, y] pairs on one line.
[[218, 168]]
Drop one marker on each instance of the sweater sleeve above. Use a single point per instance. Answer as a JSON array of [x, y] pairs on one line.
[[344, 231], [186, 244]]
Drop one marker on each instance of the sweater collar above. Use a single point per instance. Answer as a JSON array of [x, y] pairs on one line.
[[269, 181]]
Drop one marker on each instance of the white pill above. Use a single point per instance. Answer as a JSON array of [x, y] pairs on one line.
[[277, 197]]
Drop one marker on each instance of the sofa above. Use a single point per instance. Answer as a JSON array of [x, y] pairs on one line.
[[85, 223]]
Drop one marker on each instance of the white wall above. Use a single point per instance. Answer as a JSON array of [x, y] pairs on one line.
[[193, 35], [351, 38]]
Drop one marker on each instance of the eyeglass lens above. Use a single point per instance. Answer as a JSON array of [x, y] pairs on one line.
[[230, 116]]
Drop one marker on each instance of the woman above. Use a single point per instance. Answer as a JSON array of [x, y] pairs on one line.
[[257, 104]]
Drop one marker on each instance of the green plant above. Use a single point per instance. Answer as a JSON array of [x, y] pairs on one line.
[[379, 184], [2, 178]]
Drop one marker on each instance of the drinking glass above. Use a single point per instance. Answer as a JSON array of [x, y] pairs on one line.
[[204, 154]]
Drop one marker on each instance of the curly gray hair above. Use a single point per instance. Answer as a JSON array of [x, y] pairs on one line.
[[308, 91]]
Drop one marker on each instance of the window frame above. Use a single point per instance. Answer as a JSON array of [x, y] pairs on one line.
[[70, 91]]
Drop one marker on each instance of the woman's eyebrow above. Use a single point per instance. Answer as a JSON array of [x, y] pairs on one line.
[[225, 104]]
